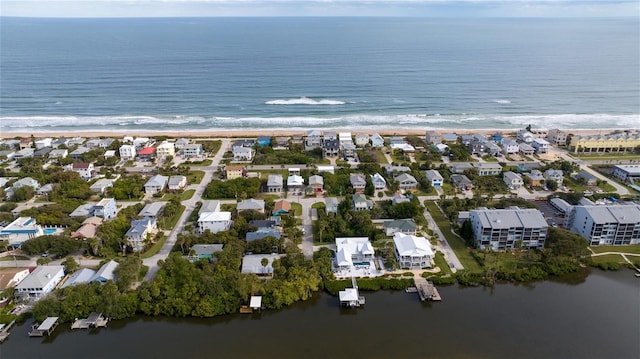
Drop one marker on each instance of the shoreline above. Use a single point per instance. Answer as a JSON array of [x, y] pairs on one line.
[[238, 133]]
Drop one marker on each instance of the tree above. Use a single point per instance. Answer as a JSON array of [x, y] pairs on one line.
[[70, 265], [23, 193]]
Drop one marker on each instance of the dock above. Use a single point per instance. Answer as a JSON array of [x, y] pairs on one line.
[[95, 320], [426, 290], [46, 328], [350, 297], [4, 330]]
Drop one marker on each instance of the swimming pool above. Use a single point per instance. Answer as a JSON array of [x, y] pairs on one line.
[[49, 231]]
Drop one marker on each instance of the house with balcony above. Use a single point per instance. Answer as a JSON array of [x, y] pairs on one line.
[[127, 152], [557, 137], [358, 182], [556, 176], [361, 203], [434, 177], [40, 282], [214, 221], [331, 148], [295, 184], [379, 183], [316, 184], [156, 184], [406, 226], [510, 147], [177, 183], [541, 145], [313, 140], [353, 251], [526, 149], [377, 140], [193, 150], [500, 229], [84, 169], [243, 154], [362, 139], [512, 180], [407, 182], [105, 208], [487, 168], [139, 232], [412, 251], [165, 149]]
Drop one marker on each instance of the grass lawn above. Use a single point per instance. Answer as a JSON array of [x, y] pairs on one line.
[[196, 163], [605, 186], [169, 223], [211, 146], [195, 177], [183, 196], [634, 248], [18, 258], [155, 248], [296, 208], [456, 243], [621, 156], [608, 258], [574, 185], [448, 189], [442, 264], [318, 205]]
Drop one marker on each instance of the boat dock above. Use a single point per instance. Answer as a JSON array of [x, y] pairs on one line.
[[350, 297], [4, 330], [46, 328], [426, 290], [95, 320]]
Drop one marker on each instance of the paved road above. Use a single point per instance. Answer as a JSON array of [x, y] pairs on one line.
[[584, 165], [190, 205], [443, 246]]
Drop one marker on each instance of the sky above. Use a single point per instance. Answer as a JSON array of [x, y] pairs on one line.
[[414, 8]]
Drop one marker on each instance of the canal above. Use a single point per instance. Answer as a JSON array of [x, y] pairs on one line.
[[595, 318]]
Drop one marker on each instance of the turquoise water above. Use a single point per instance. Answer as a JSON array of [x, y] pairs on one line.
[[48, 231], [223, 73]]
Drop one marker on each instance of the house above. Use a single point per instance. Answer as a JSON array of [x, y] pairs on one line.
[[141, 142], [510, 147], [541, 145], [77, 154], [106, 208], [606, 224], [404, 147], [106, 272], [25, 143], [281, 207], [295, 184], [557, 137], [152, 210], [525, 149], [396, 140], [487, 168], [395, 171], [246, 142], [109, 154], [214, 221], [252, 263], [58, 154], [433, 138], [42, 153], [101, 185], [106, 142], [500, 229], [441, 147], [399, 198], [40, 282], [492, 149], [525, 136], [166, 149], [297, 141], [251, 205], [362, 139], [406, 226], [81, 276], [83, 210], [331, 148], [275, 183], [477, 147], [176, 183], [192, 150], [512, 180], [352, 251], [243, 154], [180, 143], [345, 137], [85, 170], [377, 140], [554, 175], [330, 135], [331, 205], [329, 169], [528, 166], [139, 232], [406, 182], [93, 142], [205, 251], [282, 143], [24, 153], [9, 278], [497, 138], [379, 183], [316, 183], [20, 230], [412, 251], [434, 177], [588, 178], [459, 168], [235, 171], [7, 155], [264, 141], [361, 203], [209, 206], [313, 140], [535, 178], [156, 184], [450, 137], [348, 149], [358, 182], [45, 190], [262, 234], [26, 182], [461, 182], [627, 173], [263, 223], [88, 229], [127, 152]]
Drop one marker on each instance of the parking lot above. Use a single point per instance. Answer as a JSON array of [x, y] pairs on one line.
[[550, 214]]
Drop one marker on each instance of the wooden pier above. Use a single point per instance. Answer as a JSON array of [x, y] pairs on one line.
[[350, 297], [4, 330], [426, 290], [46, 328], [95, 320]]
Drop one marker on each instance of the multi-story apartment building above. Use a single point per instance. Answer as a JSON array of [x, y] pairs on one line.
[[606, 224], [500, 229]]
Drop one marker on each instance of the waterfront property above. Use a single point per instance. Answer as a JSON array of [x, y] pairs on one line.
[[106, 272], [350, 297], [45, 328], [95, 320], [412, 251], [40, 282], [606, 224], [252, 263], [500, 229], [615, 143], [354, 256]]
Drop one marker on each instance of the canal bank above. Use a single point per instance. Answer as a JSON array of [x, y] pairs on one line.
[[595, 318]]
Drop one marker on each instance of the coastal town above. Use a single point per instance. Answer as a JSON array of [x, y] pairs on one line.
[[252, 223]]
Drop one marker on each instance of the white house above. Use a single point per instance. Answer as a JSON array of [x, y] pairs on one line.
[[58, 153], [26, 182], [362, 139], [40, 282], [101, 185], [434, 177], [275, 183], [295, 184], [361, 203], [487, 168], [512, 180], [85, 170], [377, 140], [156, 184], [106, 208], [379, 183], [128, 152], [412, 251], [242, 154], [192, 150], [352, 250], [20, 230], [313, 140], [214, 221], [176, 183], [252, 263], [358, 182], [407, 182], [541, 145], [554, 175]]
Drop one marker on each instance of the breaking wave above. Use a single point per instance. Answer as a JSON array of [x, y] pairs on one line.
[[305, 101]]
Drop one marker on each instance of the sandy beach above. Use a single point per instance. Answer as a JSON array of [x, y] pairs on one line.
[[254, 133]]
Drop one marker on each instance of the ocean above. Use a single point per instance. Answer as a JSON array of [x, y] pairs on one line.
[[195, 74]]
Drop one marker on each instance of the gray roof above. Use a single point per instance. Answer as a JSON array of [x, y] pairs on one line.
[[262, 234], [487, 165], [209, 206], [357, 179], [152, 209], [390, 169], [460, 180], [255, 204], [402, 224], [157, 180], [511, 175], [406, 177], [80, 276], [206, 249], [105, 272], [331, 202], [509, 218], [433, 174], [611, 213], [40, 277], [275, 180], [83, 210], [175, 180], [317, 180]]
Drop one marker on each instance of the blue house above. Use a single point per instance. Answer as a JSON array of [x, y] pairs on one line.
[[497, 137], [264, 141]]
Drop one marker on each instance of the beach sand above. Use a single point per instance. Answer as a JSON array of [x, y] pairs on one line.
[[264, 132]]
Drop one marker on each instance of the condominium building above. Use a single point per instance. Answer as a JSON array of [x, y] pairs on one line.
[[500, 229], [557, 137], [605, 143], [606, 224]]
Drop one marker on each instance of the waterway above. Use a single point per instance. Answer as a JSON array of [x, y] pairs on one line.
[[595, 318]]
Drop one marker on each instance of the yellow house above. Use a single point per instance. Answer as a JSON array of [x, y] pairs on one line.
[[165, 149], [605, 143], [234, 171]]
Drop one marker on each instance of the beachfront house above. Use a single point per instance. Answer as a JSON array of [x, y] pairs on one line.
[[331, 148], [127, 152], [377, 140], [362, 139], [510, 147], [313, 140], [165, 149], [412, 251], [243, 154], [192, 150]]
